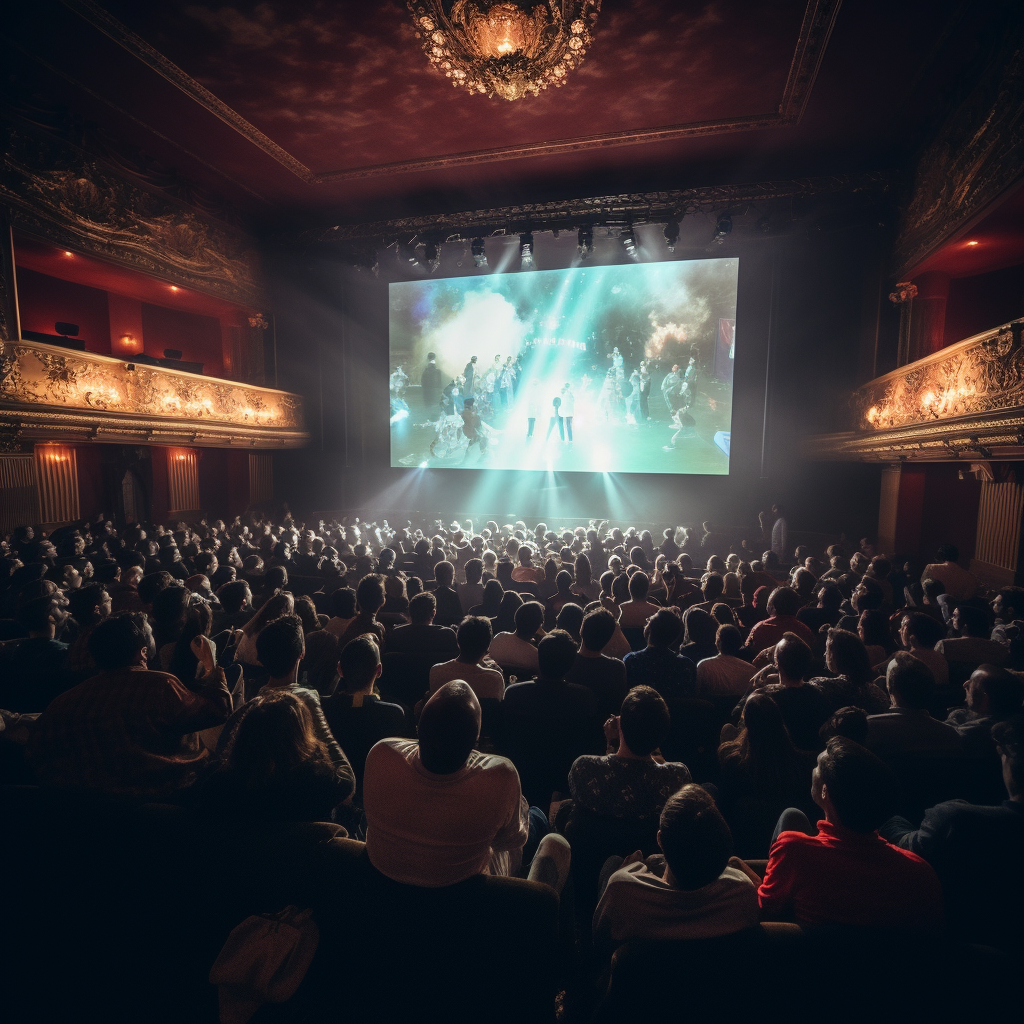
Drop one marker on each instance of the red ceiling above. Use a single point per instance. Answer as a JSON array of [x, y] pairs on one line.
[[341, 86]]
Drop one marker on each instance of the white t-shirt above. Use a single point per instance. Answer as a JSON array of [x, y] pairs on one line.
[[484, 682], [511, 651], [436, 830], [723, 674]]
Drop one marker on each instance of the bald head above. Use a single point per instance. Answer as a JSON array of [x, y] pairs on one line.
[[449, 728]]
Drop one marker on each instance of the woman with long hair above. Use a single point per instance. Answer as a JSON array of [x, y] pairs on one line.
[[275, 768], [851, 682], [585, 586], [505, 620], [279, 603], [490, 605]]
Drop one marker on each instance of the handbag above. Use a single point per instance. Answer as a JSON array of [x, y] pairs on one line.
[[264, 960]]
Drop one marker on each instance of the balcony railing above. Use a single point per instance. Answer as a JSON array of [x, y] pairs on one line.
[[51, 391]]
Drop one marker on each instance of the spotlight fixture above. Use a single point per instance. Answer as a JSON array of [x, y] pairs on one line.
[[672, 234], [629, 244], [432, 255], [722, 228], [585, 241], [479, 253], [407, 253], [526, 251]]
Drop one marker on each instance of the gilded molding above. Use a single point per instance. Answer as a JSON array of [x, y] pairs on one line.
[[967, 399], [815, 30], [43, 386], [54, 191]]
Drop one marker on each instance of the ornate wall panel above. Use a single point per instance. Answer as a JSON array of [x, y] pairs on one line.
[[999, 523], [57, 483], [182, 479], [261, 477], [78, 393], [20, 502]]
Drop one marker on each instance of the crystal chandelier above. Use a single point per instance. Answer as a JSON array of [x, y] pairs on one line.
[[502, 48]]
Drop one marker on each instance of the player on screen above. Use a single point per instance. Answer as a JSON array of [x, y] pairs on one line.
[[568, 409], [472, 427], [532, 407]]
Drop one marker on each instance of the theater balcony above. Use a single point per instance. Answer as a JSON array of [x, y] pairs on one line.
[[55, 394]]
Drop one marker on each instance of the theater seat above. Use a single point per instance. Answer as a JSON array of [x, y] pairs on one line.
[[405, 678]]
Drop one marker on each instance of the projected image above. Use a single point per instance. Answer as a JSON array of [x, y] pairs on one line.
[[619, 369]]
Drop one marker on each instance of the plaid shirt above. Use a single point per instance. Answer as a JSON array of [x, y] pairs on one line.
[[131, 732]]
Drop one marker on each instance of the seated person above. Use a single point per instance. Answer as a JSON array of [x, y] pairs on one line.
[[969, 642], [726, 674], [275, 769], [852, 681], [127, 731], [992, 695], [846, 874], [605, 677], [370, 598], [959, 583], [472, 665], [437, 810], [563, 595], [907, 728], [804, 709], [526, 571], [632, 780], [472, 591], [32, 670], [965, 843], [342, 606], [635, 612], [517, 652], [919, 633], [548, 722], [712, 588], [828, 611], [692, 892], [422, 635], [1008, 607], [357, 717], [783, 605], [449, 607], [657, 665], [236, 608]]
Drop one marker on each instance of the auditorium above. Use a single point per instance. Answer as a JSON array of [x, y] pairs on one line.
[[511, 510]]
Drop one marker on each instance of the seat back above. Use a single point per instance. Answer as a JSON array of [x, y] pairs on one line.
[[405, 678]]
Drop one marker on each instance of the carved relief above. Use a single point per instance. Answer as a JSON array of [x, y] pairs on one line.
[[53, 191], [35, 374]]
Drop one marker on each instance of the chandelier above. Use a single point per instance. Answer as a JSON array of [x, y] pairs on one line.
[[502, 48]]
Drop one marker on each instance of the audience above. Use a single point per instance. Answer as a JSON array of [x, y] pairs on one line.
[[473, 665], [517, 652], [657, 665], [422, 635], [726, 674], [604, 676]]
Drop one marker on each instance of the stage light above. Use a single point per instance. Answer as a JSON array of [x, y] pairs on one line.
[[424, 464], [526, 251], [400, 415], [479, 253], [407, 253], [585, 241], [432, 254], [629, 244], [672, 234], [722, 228]]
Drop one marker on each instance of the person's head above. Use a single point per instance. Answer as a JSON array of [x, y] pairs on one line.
[[89, 604], [639, 585], [700, 627], [792, 658], [969, 621], [529, 617], [910, 682], [563, 582], [852, 786], [555, 655], [493, 593], [474, 637], [121, 641], [280, 646], [597, 630], [1008, 604], [359, 664], [422, 609], [274, 737], [444, 573], [321, 661], [873, 628], [525, 555], [764, 728], [1009, 740], [663, 628], [918, 630], [993, 691], [449, 728], [784, 601], [474, 570], [846, 655], [584, 573], [169, 608], [620, 588], [306, 610], [947, 553], [273, 608], [728, 640], [370, 594], [644, 720], [932, 590], [850, 722], [712, 586], [234, 596], [570, 619], [694, 838], [804, 583], [342, 603], [867, 595]]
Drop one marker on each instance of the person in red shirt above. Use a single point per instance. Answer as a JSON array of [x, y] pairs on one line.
[[847, 874], [782, 608]]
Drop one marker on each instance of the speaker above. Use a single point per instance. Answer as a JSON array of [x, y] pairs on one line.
[[66, 329], [172, 353]]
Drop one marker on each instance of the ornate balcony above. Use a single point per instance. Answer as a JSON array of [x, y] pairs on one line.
[[964, 401], [51, 392]]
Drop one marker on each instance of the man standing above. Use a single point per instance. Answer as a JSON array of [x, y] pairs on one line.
[[568, 409], [430, 384], [556, 418], [471, 427], [470, 374], [645, 392]]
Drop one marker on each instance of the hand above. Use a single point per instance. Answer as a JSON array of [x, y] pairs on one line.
[[611, 731], [202, 648]]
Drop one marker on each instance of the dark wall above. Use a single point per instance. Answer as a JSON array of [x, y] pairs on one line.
[[44, 301], [806, 294], [979, 303]]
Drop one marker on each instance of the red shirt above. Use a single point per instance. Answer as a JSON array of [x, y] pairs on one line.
[[770, 632], [845, 877]]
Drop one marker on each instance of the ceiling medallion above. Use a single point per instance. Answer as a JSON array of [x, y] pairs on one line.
[[503, 48]]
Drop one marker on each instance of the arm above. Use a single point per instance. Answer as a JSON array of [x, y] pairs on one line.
[[775, 893], [323, 733]]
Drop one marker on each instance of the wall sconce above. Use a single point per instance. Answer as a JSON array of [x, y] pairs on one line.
[[129, 343]]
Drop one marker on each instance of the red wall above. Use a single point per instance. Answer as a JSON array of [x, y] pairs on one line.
[[44, 300], [92, 496], [977, 304], [198, 337]]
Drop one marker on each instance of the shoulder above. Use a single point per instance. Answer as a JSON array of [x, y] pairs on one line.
[[391, 749]]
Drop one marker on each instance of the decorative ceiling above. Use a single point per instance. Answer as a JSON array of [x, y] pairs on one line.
[[323, 109]]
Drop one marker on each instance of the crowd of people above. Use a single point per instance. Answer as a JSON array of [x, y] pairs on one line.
[[704, 735]]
